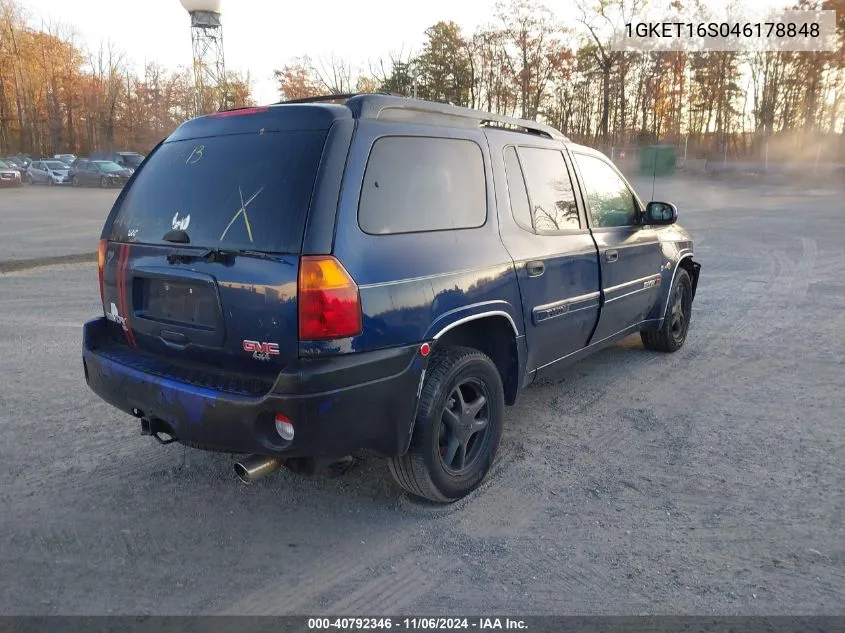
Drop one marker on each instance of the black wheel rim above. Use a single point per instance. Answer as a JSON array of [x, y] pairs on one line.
[[464, 426], [680, 312]]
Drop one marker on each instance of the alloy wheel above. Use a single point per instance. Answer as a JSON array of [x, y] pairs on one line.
[[464, 425]]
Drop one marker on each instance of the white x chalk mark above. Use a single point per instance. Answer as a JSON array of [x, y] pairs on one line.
[[244, 205]]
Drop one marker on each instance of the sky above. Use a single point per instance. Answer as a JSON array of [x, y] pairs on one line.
[[261, 35]]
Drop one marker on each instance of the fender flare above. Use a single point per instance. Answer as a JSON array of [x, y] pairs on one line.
[[454, 318], [672, 282]]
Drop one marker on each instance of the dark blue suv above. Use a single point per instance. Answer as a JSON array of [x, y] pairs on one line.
[[370, 275]]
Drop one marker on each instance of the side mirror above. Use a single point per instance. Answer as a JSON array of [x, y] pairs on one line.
[[660, 213]]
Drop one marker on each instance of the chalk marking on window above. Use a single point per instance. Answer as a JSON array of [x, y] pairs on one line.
[[243, 208], [196, 155]]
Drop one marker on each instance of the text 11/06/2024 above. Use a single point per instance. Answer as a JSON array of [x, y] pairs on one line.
[[418, 624]]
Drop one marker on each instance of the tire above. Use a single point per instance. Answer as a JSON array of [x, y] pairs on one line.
[[29, 180], [50, 182], [455, 376], [74, 181], [104, 183], [672, 334]]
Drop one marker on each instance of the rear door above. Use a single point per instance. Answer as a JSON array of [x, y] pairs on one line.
[[554, 254], [631, 259], [244, 191], [36, 172], [88, 174]]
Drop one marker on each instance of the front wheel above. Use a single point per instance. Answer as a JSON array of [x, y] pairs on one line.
[[104, 183], [50, 182], [672, 334], [74, 181], [458, 426]]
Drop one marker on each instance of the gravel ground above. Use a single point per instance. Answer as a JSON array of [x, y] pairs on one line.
[[705, 482], [42, 222]]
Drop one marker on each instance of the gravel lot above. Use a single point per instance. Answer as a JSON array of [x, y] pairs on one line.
[[705, 482], [40, 222]]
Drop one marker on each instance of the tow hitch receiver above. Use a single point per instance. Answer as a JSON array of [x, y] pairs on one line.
[[155, 428]]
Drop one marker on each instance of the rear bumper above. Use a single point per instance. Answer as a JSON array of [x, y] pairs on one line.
[[338, 406]]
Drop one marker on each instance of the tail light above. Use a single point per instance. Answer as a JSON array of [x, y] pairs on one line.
[[101, 262], [328, 301]]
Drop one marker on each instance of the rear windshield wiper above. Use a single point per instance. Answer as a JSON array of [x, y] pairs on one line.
[[221, 255]]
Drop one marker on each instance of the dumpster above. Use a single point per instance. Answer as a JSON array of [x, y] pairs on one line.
[[658, 160]]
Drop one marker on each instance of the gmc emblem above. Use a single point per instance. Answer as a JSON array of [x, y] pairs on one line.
[[261, 351]]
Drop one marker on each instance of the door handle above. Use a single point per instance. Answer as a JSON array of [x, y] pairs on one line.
[[535, 269], [611, 256]]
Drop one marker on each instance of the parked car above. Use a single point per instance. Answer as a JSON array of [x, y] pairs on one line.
[[15, 164], [127, 160], [9, 177], [415, 267], [102, 173], [48, 172], [23, 160]]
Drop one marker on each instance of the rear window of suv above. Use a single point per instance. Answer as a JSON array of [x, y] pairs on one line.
[[415, 184], [247, 191]]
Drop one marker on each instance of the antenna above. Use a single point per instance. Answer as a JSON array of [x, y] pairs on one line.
[[209, 61]]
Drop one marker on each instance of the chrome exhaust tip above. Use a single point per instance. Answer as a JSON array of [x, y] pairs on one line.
[[255, 467]]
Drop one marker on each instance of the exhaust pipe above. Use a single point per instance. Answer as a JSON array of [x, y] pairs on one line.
[[255, 467]]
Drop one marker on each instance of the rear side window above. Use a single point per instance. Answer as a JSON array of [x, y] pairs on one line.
[[520, 207], [550, 189], [249, 191], [417, 184]]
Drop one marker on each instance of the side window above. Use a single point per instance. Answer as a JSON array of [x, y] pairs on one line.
[[520, 207], [610, 201], [553, 205], [414, 184]]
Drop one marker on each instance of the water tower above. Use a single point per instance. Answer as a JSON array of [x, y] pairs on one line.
[[209, 63]]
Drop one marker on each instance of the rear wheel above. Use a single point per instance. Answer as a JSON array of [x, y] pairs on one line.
[[457, 429], [672, 334]]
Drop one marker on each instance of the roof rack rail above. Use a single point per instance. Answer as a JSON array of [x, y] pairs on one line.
[[398, 108]]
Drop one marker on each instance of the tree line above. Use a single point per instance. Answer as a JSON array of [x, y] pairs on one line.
[[57, 96], [528, 63]]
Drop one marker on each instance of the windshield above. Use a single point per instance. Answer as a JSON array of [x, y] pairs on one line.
[[57, 165], [3, 165], [108, 166], [132, 160], [244, 191]]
